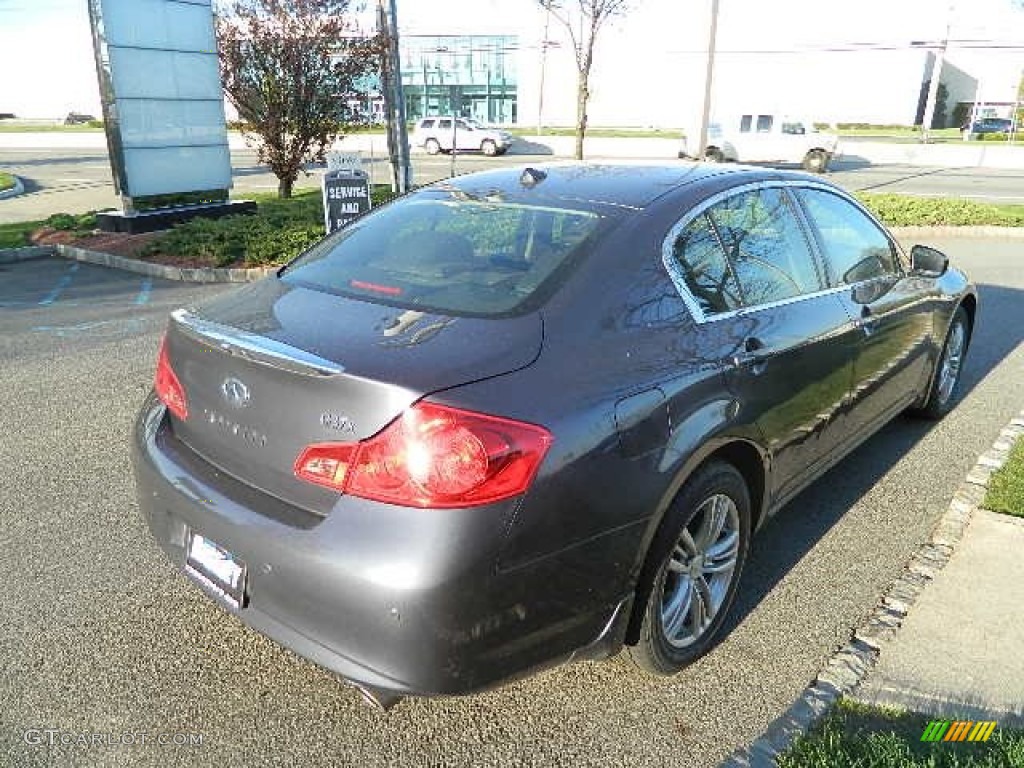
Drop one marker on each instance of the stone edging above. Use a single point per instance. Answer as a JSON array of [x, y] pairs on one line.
[[14, 191], [848, 666], [1012, 233], [184, 274], [214, 275], [11, 255]]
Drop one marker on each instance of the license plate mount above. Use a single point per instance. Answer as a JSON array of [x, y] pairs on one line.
[[216, 568]]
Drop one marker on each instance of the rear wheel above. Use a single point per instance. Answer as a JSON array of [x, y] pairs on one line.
[[714, 155], [946, 379], [693, 569], [489, 148], [816, 161], [432, 146]]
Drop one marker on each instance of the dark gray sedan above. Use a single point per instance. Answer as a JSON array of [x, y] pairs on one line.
[[533, 415]]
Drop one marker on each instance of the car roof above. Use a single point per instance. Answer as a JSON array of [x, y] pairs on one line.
[[632, 185]]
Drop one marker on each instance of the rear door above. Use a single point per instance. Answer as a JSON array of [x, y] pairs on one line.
[[786, 343], [887, 306]]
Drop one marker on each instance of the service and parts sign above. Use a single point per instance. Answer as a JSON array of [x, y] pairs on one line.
[[346, 197]]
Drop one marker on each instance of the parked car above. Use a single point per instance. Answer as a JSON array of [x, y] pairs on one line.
[[992, 125], [529, 416], [436, 134], [768, 138], [78, 118]]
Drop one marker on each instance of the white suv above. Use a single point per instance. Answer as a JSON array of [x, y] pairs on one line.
[[769, 138], [437, 134]]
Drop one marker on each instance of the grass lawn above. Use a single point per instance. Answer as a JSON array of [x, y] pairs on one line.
[[1006, 488], [6, 127], [857, 736], [600, 133], [16, 235], [6, 181]]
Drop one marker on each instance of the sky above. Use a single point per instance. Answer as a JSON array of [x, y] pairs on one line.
[[48, 66]]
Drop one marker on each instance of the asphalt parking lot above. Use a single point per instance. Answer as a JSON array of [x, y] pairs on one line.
[[102, 641]]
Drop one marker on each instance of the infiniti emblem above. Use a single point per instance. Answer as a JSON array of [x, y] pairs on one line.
[[235, 392]]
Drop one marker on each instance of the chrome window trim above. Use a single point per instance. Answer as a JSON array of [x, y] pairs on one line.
[[257, 349], [679, 281]]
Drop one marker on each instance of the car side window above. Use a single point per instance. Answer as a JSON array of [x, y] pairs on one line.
[[462, 126], [766, 246], [698, 259], [764, 123], [855, 248], [427, 124], [445, 124], [745, 122]]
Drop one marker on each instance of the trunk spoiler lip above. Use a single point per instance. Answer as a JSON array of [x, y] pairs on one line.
[[257, 349]]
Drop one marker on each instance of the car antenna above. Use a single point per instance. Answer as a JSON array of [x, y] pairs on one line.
[[531, 177]]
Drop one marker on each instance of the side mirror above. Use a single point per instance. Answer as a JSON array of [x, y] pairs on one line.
[[928, 262]]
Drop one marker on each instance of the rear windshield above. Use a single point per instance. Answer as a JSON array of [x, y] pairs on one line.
[[449, 256]]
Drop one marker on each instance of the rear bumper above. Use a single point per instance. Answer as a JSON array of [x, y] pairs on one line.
[[405, 600]]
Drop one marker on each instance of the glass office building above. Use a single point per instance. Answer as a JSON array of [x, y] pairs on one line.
[[470, 75]]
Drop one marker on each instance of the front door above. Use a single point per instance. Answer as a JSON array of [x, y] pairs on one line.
[[892, 364]]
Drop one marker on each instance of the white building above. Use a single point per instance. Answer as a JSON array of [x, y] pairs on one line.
[[863, 62]]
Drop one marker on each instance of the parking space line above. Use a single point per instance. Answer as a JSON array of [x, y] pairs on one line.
[[61, 286], [144, 291]]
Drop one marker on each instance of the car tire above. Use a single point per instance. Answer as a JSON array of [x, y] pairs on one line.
[[944, 387], [693, 570], [816, 161], [714, 155], [489, 148], [432, 146]]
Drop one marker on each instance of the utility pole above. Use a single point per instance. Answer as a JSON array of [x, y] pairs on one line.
[[709, 74], [543, 65], [394, 98], [933, 85]]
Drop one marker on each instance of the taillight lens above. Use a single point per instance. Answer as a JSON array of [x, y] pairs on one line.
[[168, 387], [432, 456]]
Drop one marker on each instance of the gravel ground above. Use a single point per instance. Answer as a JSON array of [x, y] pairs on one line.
[[98, 634]]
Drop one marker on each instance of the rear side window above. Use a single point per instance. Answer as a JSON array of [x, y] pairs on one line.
[[427, 124], [745, 123], [699, 261], [449, 256], [445, 123], [764, 123], [853, 245], [766, 246]]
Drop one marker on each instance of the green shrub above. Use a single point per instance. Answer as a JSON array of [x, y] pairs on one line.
[[908, 211], [72, 222], [276, 233], [6, 181]]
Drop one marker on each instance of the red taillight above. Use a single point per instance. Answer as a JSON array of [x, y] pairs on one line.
[[432, 456], [167, 386]]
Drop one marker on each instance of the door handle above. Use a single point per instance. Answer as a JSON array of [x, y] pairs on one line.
[[753, 355], [868, 321]]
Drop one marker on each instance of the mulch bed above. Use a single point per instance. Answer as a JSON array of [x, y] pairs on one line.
[[117, 243]]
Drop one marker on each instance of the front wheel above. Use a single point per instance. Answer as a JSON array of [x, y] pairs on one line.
[[489, 148], [432, 146], [693, 570], [816, 161], [946, 379]]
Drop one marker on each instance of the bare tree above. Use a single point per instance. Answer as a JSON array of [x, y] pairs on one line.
[[289, 67], [583, 20]]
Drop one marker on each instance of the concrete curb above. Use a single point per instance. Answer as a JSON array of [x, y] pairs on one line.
[[12, 255], [214, 275], [14, 191], [1011, 233], [849, 665], [182, 274]]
